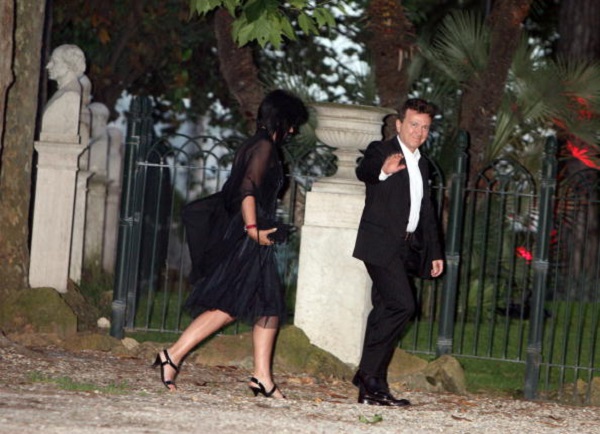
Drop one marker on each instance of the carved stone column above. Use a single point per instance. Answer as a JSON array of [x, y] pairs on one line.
[[334, 291]]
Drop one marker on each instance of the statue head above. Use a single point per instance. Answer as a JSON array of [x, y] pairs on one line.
[[67, 63]]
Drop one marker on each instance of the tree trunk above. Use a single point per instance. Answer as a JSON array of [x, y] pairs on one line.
[[7, 22], [238, 69], [578, 29], [17, 152], [390, 43], [483, 95], [580, 41]]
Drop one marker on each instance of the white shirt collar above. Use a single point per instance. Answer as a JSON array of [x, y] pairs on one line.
[[408, 155]]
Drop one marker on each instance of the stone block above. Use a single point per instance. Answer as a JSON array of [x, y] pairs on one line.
[[403, 364], [39, 310], [448, 372], [595, 391]]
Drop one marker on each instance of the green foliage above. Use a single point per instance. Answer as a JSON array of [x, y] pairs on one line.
[[461, 46], [269, 21], [542, 95]]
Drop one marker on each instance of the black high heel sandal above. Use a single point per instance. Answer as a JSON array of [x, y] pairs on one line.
[[168, 361], [262, 390]]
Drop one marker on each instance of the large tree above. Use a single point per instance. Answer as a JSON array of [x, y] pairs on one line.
[[579, 37], [156, 47], [238, 69], [17, 141], [390, 44], [140, 47], [7, 22], [579, 43], [483, 93]]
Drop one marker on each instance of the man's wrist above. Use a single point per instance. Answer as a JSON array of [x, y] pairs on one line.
[[383, 176]]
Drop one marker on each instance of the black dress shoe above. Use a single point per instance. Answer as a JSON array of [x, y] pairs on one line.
[[373, 392], [367, 382], [381, 398]]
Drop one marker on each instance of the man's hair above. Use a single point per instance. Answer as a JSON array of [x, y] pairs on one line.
[[280, 111], [418, 105]]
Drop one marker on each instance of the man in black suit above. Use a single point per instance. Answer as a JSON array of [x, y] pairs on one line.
[[398, 213]]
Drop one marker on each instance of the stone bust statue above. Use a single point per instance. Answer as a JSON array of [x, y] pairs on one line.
[[60, 121]]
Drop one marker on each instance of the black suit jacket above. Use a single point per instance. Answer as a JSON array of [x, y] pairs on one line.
[[384, 219]]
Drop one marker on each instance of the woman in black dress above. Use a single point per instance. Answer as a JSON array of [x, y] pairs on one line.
[[243, 283]]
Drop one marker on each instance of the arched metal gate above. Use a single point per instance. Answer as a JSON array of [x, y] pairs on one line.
[[522, 281], [159, 176]]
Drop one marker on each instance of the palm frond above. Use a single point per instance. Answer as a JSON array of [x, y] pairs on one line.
[[461, 47], [582, 79]]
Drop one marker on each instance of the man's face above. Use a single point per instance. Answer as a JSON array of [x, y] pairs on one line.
[[413, 131]]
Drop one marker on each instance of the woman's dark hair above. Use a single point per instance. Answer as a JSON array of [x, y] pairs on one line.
[[280, 111]]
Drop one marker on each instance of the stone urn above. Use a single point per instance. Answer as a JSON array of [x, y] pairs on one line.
[[328, 275], [348, 128]]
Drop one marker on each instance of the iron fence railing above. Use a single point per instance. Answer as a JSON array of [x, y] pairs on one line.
[[522, 280]]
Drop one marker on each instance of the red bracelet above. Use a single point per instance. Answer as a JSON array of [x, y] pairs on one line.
[[249, 227]]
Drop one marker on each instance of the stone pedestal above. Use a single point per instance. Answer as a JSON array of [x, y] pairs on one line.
[[78, 234], [113, 199], [97, 187], [57, 168], [95, 221], [333, 297], [79, 212]]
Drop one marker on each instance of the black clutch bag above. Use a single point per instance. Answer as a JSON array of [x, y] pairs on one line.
[[283, 232]]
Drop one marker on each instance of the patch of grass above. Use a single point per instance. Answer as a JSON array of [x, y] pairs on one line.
[[162, 311], [95, 286], [153, 336], [67, 383], [493, 377], [493, 351]]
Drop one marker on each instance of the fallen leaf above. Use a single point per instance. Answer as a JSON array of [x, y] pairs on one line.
[[375, 419], [461, 418]]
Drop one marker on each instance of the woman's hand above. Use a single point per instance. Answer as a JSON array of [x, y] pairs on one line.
[[249, 216], [261, 236]]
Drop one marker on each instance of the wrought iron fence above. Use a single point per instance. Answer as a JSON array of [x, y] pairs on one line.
[[160, 176], [522, 281]]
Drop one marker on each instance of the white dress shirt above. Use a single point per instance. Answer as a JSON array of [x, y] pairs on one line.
[[411, 159]]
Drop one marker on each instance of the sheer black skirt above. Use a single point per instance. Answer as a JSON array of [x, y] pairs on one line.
[[245, 283]]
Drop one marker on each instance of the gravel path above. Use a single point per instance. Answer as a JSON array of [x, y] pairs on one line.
[[125, 396]]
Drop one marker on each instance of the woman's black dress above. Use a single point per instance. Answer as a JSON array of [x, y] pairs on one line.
[[244, 281]]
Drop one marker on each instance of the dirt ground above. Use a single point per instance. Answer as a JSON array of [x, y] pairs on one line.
[[51, 390]]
